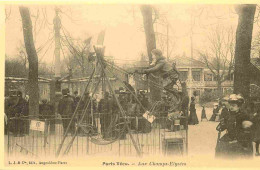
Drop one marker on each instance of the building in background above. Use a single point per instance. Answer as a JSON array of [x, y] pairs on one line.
[[197, 76]]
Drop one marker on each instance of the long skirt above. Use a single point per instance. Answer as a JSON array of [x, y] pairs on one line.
[[226, 150], [203, 115], [193, 119], [213, 117]]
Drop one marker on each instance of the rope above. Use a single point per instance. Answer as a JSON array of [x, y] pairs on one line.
[[139, 77], [128, 90]]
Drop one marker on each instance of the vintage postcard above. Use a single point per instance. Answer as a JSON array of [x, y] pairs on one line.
[[118, 84]]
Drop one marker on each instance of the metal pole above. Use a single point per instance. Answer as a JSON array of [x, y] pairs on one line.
[[73, 116], [191, 37], [167, 42], [81, 119], [120, 107], [57, 27]]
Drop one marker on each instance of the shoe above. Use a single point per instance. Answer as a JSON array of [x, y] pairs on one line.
[[257, 154]]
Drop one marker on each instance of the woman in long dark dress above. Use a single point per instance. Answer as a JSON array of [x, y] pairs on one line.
[[237, 140], [215, 112], [203, 114], [193, 119]]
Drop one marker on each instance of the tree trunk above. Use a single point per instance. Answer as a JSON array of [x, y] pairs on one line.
[[219, 91], [150, 44], [242, 51], [33, 61]]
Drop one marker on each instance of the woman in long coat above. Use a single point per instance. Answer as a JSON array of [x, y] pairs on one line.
[[193, 119], [237, 140], [215, 112]]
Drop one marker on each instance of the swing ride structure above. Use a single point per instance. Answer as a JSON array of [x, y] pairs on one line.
[[153, 132], [165, 135], [116, 127]]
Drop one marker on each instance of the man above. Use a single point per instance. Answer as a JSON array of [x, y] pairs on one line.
[[47, 113], [16, 108], [237, 142], [46, 110], [66, 109], [167, 71], [76, 98], [105, 109]]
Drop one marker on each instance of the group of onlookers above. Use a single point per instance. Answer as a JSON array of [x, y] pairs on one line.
[[104, 112], [15, 108], [240, 123]]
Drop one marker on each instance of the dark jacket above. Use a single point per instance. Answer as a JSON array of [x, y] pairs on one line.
[[46, 111], [164, 68], [224, 113], [233, 124], [105, 106], [19, 108], [66, 106]]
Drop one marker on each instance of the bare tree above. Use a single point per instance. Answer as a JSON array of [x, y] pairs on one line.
[[148, 21], [255, 48], [219, 57], [244, 31], [33, 61], [79, 53]]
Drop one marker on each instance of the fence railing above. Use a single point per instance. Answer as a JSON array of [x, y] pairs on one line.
[[41, 137]]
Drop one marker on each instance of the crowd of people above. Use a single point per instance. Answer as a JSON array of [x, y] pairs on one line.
[[240, 124], [17, 111], [111, 116]]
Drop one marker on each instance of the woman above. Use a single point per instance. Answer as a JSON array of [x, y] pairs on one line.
[[203, 114], [237, 141], [225, 108], [193, 119], [215, 112]]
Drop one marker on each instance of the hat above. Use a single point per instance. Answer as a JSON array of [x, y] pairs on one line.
[[236, 98], [157, 52], [225, 98], [44, 101], [64, 91], [19, 93]]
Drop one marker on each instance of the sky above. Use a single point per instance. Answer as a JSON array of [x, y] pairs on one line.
[[125, 38]]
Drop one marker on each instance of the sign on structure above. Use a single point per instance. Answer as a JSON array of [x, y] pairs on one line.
[[37, 125]]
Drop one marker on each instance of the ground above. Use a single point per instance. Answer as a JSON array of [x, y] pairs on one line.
[[202, 140], [203, 137]]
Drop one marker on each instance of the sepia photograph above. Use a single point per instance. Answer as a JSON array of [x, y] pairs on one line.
[[155, 85]]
